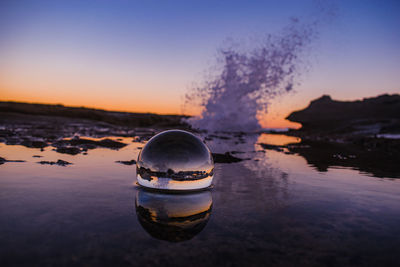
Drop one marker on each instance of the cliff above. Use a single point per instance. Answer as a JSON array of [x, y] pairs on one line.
[[374, 115]]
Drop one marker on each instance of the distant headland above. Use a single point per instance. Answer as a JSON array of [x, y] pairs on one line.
[[370, 116], [11, 109]]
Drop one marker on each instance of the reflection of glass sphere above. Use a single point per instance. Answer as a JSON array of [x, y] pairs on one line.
[[173, 217], [175, 160]]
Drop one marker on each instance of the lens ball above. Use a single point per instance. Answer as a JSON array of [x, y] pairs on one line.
[[175, 160]]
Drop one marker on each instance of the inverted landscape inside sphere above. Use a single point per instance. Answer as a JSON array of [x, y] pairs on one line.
[[173, 217], [175, 160]]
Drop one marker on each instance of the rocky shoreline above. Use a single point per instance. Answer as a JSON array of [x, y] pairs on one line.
[[323, 147], [40, 126], [350, 134]]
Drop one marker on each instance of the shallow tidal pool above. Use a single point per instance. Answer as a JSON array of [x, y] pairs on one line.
[[272, 208]]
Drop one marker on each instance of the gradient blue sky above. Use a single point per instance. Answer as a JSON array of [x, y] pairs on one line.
[[144, 55]]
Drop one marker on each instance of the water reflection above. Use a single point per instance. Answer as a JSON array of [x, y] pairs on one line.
[[256, 183], [323, 155], [173, 217]]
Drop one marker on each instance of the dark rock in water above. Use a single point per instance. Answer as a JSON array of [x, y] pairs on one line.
[[3, 160], [34, 144], [368, 116], [289, 153], [68, 150], [108, 143], [63, 162], [272, 147], [225, 158], [58, 162], [37, 156], [237, 152], [211, 136], [127, 162], [72, 146]]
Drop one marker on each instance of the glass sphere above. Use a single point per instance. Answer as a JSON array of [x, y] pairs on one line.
[[173, 217], [175, 160]]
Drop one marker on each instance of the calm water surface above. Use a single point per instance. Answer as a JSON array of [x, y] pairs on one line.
[[272, 209]]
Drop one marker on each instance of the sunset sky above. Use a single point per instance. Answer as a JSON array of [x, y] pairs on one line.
[[142, 56]]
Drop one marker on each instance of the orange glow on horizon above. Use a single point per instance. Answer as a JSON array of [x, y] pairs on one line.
[[109, 101], [145, 107], [139, 107], [147, 100]]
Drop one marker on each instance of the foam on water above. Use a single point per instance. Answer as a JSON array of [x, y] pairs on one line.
[[249, 79]]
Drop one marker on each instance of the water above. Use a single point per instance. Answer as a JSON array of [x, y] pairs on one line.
[[249, 79], [272, 209], [175, 160]]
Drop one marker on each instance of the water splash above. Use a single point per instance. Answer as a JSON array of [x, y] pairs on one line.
[[249, 79]]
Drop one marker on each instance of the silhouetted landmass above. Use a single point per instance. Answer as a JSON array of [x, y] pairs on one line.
[[112, 117], [350, 134], [374, 115]]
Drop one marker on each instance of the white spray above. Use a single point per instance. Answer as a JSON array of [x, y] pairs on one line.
[[249, 80]]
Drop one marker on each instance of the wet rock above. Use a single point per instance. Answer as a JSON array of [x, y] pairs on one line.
[[3, 160], [289, 153], [68, 150], [225, 158], [34, 144], [13, 140], [5, 133], [58, 162], [86, 144], [237, 152], [127, 162], [108, 143], [272, 147], [219, 137]]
